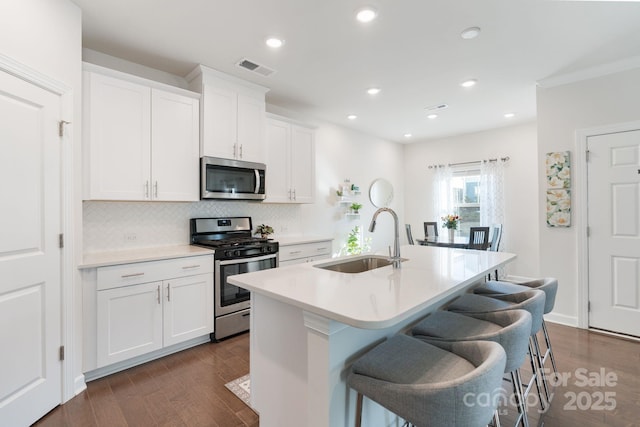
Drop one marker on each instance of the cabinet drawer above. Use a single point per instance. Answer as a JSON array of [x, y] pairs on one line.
[[304, 250], [116, 276]]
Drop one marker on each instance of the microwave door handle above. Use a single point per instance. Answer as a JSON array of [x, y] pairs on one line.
[[257, 181]]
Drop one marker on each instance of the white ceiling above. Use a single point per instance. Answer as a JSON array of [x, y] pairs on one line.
[[413, 52]]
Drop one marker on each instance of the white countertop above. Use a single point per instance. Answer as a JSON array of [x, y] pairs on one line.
[[102, 259], [297, 240], [377, 298]]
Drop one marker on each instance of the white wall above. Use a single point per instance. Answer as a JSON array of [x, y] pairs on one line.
[[45, 35], [521, 223], [562, 110]]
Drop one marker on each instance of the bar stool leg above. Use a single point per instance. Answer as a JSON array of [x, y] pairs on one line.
[[543, 375], [547, 341], [359, 410], [535, 372], [520, 395]]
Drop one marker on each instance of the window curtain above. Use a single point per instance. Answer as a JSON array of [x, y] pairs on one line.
[[442, 192], [491, 193]]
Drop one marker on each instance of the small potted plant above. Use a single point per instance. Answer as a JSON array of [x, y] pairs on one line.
[[264, 230], [355, 207]]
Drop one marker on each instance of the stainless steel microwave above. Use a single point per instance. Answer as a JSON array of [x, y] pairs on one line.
[[231, 179]]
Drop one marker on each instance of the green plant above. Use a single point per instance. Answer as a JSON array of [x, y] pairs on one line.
[[339, 193], [264, 229], [353, 241], [354, 244], [355, 207]]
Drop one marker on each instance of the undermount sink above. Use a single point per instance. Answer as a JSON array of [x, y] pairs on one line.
[[357, 264]]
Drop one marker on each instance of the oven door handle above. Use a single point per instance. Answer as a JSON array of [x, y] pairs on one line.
[[257, 181], [245, 260]]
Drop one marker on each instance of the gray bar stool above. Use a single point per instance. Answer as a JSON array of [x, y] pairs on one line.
[[549, 285], [509, 328], [530, 300], [426, 383]]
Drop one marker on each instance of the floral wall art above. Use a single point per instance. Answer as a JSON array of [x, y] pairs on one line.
[[558, 168]]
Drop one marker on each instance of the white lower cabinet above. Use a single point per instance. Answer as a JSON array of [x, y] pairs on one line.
[[297, 253], [135, 318]]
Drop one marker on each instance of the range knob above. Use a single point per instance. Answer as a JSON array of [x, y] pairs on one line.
[[236, 252], [228, 253]]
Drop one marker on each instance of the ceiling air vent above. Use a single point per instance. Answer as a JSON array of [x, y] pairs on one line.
[[255, 68], [437, 107]]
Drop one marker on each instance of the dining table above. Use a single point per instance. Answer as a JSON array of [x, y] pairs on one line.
[[460, 242]]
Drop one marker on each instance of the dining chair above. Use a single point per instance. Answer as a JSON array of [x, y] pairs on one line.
[[430, 229], [479, 238], [409, 236], [495, 243]]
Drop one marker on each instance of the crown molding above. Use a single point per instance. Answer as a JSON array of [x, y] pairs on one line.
[[590, 73]]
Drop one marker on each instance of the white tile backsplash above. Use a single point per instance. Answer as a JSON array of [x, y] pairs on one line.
[[128, 225]]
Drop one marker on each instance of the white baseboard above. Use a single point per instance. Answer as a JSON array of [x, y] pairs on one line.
[[79, 384], [134, 361], [561, 319]]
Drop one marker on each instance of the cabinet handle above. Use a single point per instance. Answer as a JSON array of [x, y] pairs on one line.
[[294, 194], [168, 291], [124, 276], [158, 297], [240, 150], [191, 266], [294, 252], [146, 189], [289, 194], [234, 151], [321, 249], [155, 189]]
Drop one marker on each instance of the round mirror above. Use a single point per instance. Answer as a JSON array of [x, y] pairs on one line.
[[381, 193]]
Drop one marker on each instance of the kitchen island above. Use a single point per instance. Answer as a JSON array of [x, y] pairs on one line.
[[309, 324]]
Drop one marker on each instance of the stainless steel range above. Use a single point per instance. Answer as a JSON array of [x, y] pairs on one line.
[[236, 252]]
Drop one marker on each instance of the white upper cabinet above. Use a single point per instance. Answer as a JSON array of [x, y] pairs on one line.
[[141, 142], [232, 116], [174, 147], [290, 160]]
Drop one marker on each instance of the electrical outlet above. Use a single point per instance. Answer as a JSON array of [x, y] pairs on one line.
[[130, 237]]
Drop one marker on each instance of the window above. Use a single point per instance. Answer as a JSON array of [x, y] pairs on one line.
[[473, 192], [465, 185]]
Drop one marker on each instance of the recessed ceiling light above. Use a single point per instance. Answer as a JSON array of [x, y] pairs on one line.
[[352, 117], [470, 33], [509, 115], [274, 42], [366, 14], [469, 83], [407, 135], [432, 116], [373, 90]]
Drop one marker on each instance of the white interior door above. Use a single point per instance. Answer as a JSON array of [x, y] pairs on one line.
[[614, 224], [30, 310]]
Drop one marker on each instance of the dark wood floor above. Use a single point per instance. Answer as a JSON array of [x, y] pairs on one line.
[[187, 389]]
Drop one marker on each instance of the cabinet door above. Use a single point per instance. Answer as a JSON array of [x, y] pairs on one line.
[[188, 308], [303, 176], [219, 133], [278, 159], [251, 129], [118, 121], [129, 322], [175, 149]]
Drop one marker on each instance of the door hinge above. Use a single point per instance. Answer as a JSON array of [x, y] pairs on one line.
[[61, 124], [61, 240], [589, 306], [586, 155], [61, 352], [588, 231]]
